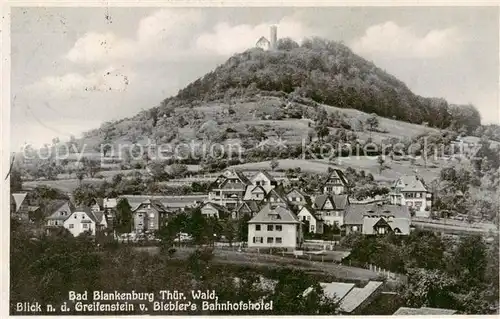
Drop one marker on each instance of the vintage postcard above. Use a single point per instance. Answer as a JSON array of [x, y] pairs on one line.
[[251, 160]]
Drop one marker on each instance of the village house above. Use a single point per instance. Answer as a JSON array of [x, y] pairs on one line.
[[310, 217], [21, 208], [275, 197], [298, 198], [246, 208], [410, 190], [265, 180], [254, 193], [331, 208], [377, 219], [84, 220], [96, 204], [335, 183], [276, 227], [229, 189], [214, 210], [148, 216], [59, 211]]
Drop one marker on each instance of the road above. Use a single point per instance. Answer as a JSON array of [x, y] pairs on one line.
[[454, 229]]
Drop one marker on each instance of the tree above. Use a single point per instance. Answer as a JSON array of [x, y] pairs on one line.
[[322, 131], [85, 194], [80, 174], [429, 288], [274, 164], [289, 295], [469, 261], [178, 170], [91, 166], [197, 226], [381, 163], [157, 170], [123, 217], [16, 183], [287, 44], [372, 122], [243, 228], [230, 230]]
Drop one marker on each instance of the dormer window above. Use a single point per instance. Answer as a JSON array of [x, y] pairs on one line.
[[274, 216]]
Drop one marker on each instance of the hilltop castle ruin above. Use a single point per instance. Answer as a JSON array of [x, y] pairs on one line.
[[266, 44]]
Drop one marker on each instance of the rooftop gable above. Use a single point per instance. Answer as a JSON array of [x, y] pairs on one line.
[[277, 214]]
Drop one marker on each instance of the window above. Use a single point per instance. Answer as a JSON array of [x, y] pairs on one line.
[[71, 226], [418, 195], [83, 216], [152, 215], [140, 215], [259, 240], [272, 199], [312, 228], [258, 183], [381, 230], [257, 227], [354, 228], [278, 240], [279, 228], [327, 214], [151, 225], [336, 223], [308, 218], [270, 240], [85, 226], [263, 183], [76, 216], [270, 228]]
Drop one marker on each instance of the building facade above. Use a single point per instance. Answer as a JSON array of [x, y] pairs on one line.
[[276, 227], [411, 191]]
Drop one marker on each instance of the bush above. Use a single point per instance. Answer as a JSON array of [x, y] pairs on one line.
[[171, 251]]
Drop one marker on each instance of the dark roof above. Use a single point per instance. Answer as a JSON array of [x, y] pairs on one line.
[[340, 201], [220, 208], [269, 176], [320, 200], [339, 173], [156, 204], [354, 213], [276, 192], [312, 211], [249, 205], [405, 311], [284, 216], [242, 177], [55, 204]]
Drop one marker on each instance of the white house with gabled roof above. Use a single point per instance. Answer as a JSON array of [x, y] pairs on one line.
[[410, 190], [275, 227]]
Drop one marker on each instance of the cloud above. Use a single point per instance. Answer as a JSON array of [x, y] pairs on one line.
[[225, 39], [177, 34], [163, 34], [105, 80], [402, 42]]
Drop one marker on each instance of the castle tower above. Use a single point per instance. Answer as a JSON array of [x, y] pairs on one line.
[[274, 37]]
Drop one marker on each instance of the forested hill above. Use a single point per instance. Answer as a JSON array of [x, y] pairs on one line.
[[326, 72]]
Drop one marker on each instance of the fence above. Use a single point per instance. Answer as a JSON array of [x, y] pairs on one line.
[[385, 273]]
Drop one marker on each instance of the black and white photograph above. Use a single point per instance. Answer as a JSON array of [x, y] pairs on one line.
[[278, 159]]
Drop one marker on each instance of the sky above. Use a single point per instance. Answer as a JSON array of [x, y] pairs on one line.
[[75, 68]]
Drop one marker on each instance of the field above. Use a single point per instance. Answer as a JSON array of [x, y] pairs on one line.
[[369, 165], [341, 272], [65, 185]]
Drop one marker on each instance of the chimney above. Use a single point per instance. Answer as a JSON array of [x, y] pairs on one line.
[[274, 37]]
